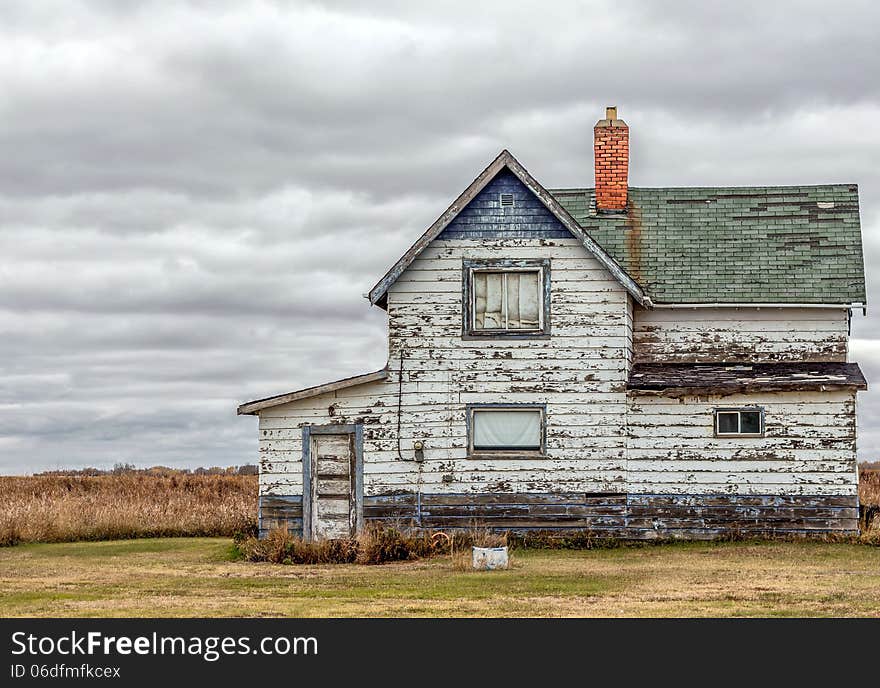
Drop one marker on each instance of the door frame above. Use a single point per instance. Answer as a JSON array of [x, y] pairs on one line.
[[355, 429]]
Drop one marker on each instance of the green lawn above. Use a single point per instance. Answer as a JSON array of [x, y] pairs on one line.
[[198, 577]]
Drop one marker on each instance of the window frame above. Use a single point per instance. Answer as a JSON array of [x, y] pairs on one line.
[[505, 453], [738, 410], [470, 267]]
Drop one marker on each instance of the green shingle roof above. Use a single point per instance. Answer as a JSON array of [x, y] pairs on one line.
[[782, 244]]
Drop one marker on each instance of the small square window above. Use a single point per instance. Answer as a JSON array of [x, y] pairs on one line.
[[507, 200], [506, 429], [742, 422], [509, 300], [506, 298]]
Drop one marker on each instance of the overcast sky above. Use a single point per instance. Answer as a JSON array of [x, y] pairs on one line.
[[195, 195]]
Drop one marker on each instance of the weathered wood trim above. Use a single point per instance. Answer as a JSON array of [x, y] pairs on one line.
[[378, 293], [346, 429], [728, 390], [359, 477], [467, 265], [655, 500], [253, 407], [283, 511], [488, 454], [734, 304], [307, 481], [621, 515], [694, 379], [641, 516]]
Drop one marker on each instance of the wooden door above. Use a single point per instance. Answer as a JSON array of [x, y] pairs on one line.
[[333, 480]]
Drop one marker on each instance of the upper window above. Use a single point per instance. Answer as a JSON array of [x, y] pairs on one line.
[[506, 298], [739, 422], [509, 300], [506, 429]]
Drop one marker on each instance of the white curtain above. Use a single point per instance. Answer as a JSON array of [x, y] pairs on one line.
[[507, 428], [488, 289], [522, 300], [519, 291]]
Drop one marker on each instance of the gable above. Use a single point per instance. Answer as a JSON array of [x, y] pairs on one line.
[[505, 161], [485, 218]]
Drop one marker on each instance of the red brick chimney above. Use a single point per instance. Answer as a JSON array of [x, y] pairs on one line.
[[611, 146]]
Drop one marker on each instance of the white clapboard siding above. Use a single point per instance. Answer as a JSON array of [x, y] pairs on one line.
[[475, 354], [809, 442], [583, 441], [449, 325], [448, 299], [580, 373], [599, 439], [740, 334], [610, 307], [569, 371]]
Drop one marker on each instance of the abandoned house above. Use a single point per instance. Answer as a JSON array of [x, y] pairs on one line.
[[636, 362]]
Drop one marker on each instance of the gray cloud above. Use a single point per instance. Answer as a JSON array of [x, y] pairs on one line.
[[194, 196]]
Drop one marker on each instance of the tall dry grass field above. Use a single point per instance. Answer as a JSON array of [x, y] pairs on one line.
[[869, 487], [50, 508]]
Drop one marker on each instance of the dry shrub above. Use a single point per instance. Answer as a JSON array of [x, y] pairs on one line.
[[280, 547], [377, 544], [380, 544], [52, 508], [481, 537]]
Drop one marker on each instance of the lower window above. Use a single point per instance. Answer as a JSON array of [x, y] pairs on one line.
[[506, 429], [739, 422]]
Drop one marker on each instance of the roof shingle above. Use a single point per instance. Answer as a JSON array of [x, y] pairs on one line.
[[773, 244]]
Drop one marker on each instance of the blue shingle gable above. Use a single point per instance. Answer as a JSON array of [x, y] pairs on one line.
[[541, 216], [484, 218]]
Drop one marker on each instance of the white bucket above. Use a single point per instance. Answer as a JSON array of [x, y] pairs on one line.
[[490, 558]]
